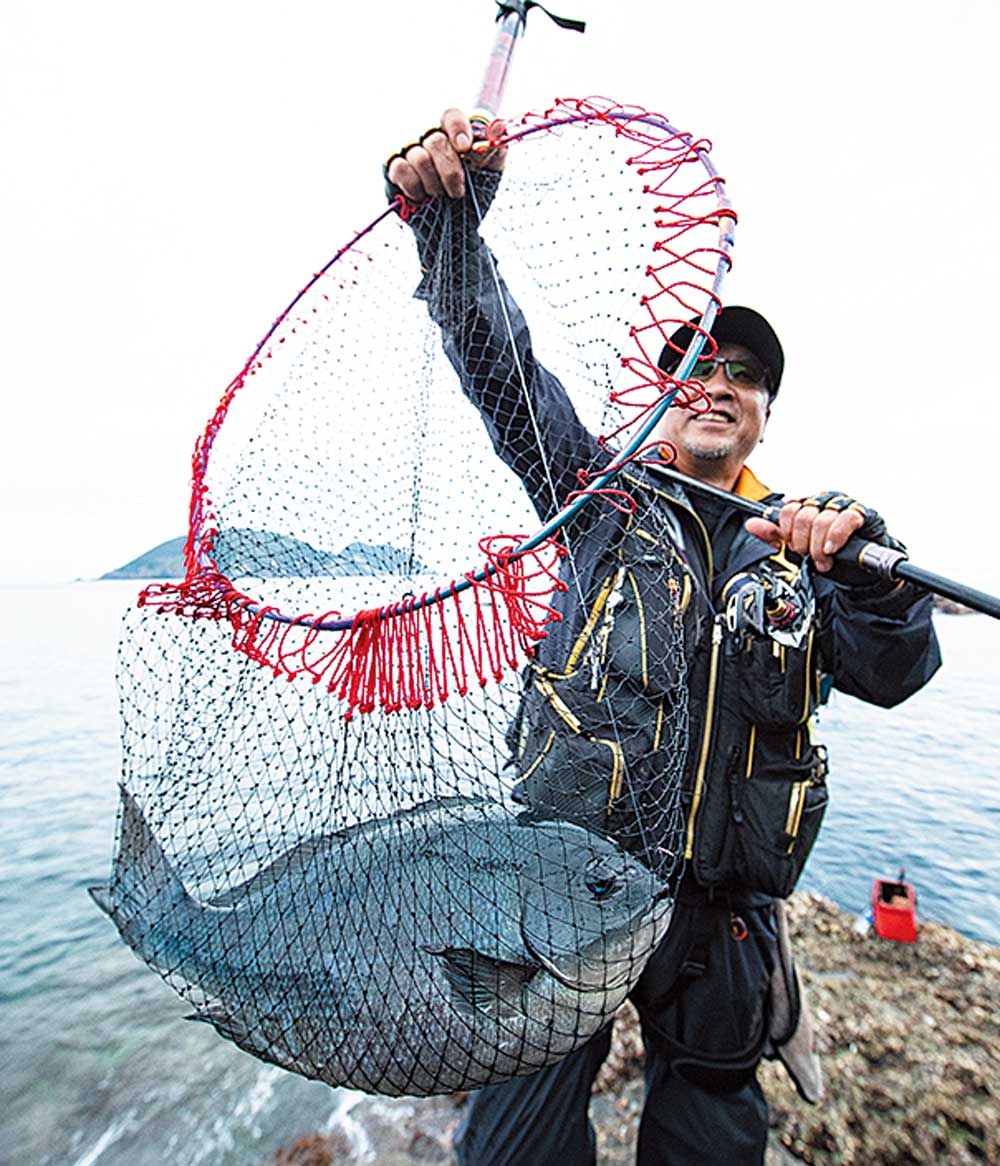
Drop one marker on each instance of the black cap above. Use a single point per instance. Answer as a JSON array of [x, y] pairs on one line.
[[736, 325]]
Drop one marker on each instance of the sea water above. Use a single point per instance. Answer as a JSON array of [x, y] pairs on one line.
[[98, 1066]]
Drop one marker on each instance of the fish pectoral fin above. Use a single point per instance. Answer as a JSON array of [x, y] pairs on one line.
[[225, 1024], [477, 979]]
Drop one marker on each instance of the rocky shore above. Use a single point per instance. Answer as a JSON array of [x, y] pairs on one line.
[[910, 1040]]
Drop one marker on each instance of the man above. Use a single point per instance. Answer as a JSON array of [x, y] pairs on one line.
[[761, 619]]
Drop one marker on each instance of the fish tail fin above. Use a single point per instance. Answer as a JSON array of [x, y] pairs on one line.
[[146, 898]]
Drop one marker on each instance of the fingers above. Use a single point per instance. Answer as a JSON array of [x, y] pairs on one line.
[[433, 166], [458, 129], [428, 170], [807, 530], [766, 531], [845, 524], [472, 149]]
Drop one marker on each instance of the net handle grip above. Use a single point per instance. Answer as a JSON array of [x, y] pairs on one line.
[[486, 109]]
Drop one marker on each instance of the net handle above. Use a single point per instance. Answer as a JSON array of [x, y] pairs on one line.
[[511, 18], [487, 106]]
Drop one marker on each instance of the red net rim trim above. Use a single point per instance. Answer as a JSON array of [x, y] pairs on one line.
[[404, 655]]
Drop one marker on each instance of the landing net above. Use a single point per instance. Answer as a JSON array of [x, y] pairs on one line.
[[401, 803]]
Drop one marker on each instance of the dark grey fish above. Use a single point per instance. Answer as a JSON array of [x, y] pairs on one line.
[[445, 947]]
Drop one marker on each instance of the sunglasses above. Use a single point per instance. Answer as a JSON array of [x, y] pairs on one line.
[[738, 371]]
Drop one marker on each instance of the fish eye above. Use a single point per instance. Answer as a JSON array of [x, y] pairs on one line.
[[601, 882]]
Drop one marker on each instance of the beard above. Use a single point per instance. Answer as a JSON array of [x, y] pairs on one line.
[[708, 453]]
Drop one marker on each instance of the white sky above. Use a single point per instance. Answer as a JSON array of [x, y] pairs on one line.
[[173, 175]]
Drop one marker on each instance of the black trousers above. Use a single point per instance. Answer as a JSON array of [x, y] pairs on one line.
[[702, 1000]]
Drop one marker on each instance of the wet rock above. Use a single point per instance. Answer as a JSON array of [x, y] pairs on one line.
[[910, 1037], [315, 1150]]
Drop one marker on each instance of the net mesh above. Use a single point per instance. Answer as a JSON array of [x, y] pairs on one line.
[[401, 805]]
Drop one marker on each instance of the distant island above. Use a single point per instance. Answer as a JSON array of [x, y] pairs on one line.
[[951, 606], [264, 554], [165, 561]]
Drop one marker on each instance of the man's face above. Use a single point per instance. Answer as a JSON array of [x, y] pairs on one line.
[[720, 440]]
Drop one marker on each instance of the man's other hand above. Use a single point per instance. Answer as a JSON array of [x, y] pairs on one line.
[[433, 166], [817, 527]]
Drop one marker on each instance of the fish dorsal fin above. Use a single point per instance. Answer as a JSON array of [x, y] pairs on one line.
[[303, 853], [265, 880], [477, 979]]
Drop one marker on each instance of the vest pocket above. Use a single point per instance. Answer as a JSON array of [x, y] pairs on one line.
[[777, 809], [776, 683], [562, 775], [760, 814]]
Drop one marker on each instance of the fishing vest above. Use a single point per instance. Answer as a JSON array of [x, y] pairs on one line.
[[597, 738]]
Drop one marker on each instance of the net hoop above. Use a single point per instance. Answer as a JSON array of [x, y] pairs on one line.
[[520, 572]]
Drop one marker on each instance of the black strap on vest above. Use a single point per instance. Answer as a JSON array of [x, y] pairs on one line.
[[713, 1073]]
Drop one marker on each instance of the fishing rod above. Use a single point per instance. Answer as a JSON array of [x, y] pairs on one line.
[[886, 562]]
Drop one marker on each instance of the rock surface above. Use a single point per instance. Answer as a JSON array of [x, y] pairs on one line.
[[910, 1038]]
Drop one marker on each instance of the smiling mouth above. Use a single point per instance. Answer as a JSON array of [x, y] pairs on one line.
[[715, 417]]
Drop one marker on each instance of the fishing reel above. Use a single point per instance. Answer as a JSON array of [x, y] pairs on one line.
[[776, 599]]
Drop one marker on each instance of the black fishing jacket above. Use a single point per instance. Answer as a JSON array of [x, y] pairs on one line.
[[651, 623]]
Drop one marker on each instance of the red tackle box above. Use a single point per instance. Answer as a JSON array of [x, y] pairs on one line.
[[894, 910]]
